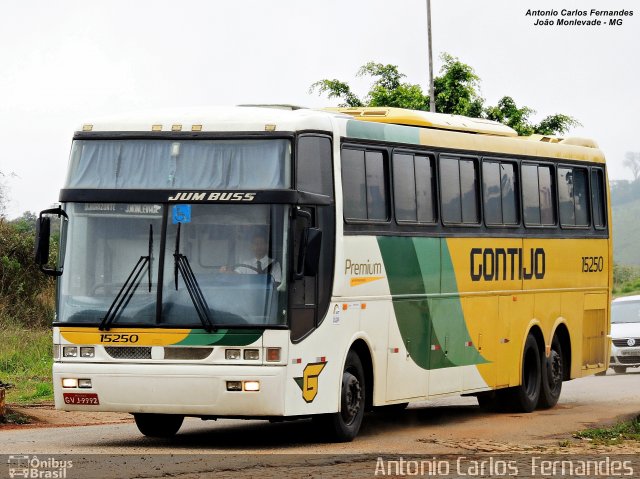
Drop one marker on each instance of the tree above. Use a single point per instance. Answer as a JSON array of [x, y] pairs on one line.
[[507, 112], [25, 222], [456, 90], [632, 161]]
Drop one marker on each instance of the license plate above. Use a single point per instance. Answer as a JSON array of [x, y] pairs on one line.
[[87, 399], [629, 352]]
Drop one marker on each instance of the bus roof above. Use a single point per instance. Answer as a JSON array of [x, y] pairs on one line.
[[401, 116], [379, 124]]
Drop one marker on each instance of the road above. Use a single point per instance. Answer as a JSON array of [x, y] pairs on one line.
[[444, 426]]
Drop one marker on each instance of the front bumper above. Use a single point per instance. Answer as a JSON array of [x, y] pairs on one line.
[[198, 390], [624, 357]]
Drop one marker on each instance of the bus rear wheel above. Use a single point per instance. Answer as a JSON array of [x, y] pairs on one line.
[[343, 426], [524, 398], [552, 375], [158, 425]]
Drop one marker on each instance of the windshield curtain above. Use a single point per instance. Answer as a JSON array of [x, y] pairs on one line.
[[211, 275], [625, 312], [171, 164]]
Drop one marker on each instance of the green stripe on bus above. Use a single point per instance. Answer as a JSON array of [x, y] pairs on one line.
[[222, 337], [433, 329], [383, 132]]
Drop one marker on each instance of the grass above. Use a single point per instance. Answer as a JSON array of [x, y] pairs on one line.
[[625, 289], [609, 436], [14, 418], [25, 362]]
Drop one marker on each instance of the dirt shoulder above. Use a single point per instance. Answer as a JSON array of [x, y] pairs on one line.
[[45, 415]]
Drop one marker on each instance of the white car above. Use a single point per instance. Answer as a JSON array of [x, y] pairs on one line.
[[625, 333]]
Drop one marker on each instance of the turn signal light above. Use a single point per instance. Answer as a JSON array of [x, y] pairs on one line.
[[273, 354]]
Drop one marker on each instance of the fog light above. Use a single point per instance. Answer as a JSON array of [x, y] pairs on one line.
[[84, 383], [252, 385], [273, 354], [252, 354], [70, 352], [69, 383], [234, 385], [232, 354], [87, 352]]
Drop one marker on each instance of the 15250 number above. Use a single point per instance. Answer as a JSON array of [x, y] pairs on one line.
[[592, 264], [118, 338]]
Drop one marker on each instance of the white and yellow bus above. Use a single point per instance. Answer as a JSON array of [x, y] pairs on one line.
[[282, 263]]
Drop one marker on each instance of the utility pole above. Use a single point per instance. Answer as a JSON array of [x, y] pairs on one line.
[[432, 98]]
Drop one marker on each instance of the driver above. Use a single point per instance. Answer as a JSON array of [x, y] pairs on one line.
[[261, 263]]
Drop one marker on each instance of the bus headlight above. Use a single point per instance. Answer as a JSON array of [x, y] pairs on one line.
[[252, 385], [232, 354], [69, 383], [251, 354], [88, 352], [70, 352], [234, 385]]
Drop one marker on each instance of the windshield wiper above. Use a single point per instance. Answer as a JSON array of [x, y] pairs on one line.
[[129, 287], [181, 264]]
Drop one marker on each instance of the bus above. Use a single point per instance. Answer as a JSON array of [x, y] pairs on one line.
[[285, 263]]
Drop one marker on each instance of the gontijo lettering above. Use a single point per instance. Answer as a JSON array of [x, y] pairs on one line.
[[495, 264]]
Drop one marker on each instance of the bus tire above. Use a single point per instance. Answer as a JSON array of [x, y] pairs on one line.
[[524, 398], [619, 369], [343, 426], [158, 425], [552, 374]]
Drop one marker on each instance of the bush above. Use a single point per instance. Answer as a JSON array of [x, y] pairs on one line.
[[26, 295]]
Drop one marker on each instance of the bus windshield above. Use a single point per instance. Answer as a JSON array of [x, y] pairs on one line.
[[183, 164], [625, 312], [222, 265]]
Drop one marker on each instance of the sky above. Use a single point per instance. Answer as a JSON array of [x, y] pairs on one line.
[[66, 62]]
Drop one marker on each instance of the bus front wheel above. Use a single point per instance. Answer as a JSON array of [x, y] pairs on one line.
[[524, 398], [343, 426], [552, 375], [158, 425]]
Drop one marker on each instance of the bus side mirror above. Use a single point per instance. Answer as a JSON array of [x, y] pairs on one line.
[[309, 254], [43, 240], [43, 235]]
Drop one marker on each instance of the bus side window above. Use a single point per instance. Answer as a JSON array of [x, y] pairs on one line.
[[365, 185], [459, 190], [538, 196], [413, 187], [499, 187], [314, 165], [573, 196], [597, 198]]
